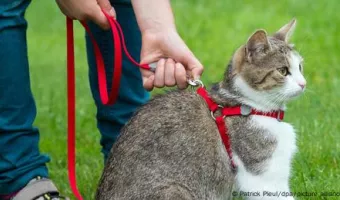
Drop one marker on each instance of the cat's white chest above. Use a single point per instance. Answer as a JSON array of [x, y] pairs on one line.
[[276, 174], [286, 143]]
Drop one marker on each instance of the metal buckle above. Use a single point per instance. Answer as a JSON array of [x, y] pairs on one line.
[[213, 112], [245, 110]]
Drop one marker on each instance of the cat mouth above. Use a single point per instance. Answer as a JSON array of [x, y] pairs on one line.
[[296, 94]]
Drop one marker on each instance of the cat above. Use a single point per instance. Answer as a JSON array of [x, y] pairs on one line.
[[172, 150]]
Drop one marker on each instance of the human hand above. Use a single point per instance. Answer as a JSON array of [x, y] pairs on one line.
[[174, 60], [88, 10]]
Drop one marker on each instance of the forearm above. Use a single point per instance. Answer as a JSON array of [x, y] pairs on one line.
[[153, 15]]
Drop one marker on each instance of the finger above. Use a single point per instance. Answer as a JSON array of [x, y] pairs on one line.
[[192, 64], [148, 84], [148, 57], [159, 74], [196, 71], [98, 17], [180, 75], [194, 67], [148, 78], [106, 6], [170, 73]]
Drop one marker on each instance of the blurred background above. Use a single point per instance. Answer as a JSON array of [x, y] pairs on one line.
[[213, 30]]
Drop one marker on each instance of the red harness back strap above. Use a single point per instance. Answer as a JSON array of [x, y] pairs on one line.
[[231, 111], [107, 99]]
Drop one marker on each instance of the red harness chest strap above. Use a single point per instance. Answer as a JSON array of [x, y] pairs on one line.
[[231, 111]]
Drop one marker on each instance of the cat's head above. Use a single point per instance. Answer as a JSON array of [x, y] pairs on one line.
[[267, 70]]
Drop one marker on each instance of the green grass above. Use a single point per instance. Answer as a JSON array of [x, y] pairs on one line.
[[213, 30]]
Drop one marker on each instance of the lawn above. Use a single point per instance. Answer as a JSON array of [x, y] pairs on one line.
[[213, 30]]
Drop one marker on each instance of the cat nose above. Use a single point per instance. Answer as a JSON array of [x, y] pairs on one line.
[[302, 85]]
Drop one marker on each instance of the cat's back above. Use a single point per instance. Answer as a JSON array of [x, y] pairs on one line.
[[170, 144], [175, 108]]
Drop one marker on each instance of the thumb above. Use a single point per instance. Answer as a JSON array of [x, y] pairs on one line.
[[106, 6], [148, 79], [192, 64], [98, 16]]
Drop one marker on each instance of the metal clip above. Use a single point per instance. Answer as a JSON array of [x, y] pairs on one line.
[[153, 66], [195, 83]]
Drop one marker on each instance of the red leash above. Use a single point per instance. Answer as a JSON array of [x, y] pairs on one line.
[[107, 99], [231, 111]]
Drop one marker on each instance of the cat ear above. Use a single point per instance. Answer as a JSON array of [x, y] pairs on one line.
[[257, 43], [286, 31]]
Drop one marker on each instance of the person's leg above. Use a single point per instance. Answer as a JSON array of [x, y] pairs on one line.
[[110, 119], [20, 159]]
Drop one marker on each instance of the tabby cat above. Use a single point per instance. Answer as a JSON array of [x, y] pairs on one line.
[[172, 150]]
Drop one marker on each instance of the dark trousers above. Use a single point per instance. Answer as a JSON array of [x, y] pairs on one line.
[[20, 158]]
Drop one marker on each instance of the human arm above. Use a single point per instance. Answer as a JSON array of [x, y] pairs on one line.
[[162, 44]]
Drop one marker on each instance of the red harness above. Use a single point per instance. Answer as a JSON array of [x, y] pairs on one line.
[[231, 111]]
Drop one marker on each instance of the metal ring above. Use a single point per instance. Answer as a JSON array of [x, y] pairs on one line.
[[195, 83], [278, 116], [245, 110], [213, 112]]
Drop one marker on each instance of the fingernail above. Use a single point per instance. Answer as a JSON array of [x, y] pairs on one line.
[[112, 13]]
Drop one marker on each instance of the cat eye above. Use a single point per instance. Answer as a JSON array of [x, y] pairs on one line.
[[300, 67], [283, 71]]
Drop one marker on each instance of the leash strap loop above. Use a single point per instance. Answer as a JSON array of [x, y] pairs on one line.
[[106, 99], [119, 45]]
